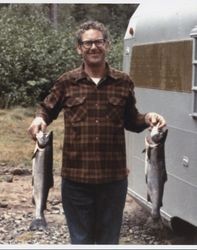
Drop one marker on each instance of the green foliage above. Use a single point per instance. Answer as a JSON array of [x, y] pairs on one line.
[[114, 16], [115, 56], [33, 54]]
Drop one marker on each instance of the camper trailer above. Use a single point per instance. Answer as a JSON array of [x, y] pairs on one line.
[[160, 55]]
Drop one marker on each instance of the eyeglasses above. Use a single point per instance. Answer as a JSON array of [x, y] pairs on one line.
[[88, 44]]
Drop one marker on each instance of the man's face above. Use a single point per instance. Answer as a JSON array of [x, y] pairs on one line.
[[93, 47]]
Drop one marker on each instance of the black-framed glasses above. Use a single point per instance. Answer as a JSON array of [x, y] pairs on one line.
[[88, 44]]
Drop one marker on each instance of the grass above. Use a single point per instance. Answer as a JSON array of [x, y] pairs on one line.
[[16, 146]]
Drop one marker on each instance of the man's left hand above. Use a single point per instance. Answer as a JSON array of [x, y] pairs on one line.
[[154, 119]]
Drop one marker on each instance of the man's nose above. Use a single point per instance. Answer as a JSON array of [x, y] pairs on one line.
[[93, 46]]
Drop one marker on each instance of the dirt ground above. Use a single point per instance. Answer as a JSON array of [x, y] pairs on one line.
[[17, 212], [16, 197]]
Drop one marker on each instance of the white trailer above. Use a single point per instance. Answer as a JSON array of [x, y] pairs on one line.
[[160, 55]]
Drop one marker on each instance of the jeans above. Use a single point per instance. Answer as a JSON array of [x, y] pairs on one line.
[[94, 211]]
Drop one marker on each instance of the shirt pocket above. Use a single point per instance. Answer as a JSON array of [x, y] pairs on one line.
[[75, 108], [115, 108]]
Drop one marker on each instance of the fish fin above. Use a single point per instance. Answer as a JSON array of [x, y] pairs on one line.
[[165, 177], [148, 197], [148, 153], [50, 179], [34, 154], [165, 134], [45, 207], [33, 201], [52, 182]]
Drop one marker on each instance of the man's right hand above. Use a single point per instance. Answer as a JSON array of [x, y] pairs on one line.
[[37, 124]]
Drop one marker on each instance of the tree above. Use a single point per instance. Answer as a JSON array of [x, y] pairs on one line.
[[53, 16]]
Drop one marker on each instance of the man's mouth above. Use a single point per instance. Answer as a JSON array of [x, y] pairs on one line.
[[93, 53]]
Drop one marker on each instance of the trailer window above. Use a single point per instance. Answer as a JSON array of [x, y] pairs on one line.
[[165, 66]]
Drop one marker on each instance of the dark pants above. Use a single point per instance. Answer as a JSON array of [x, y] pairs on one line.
[[94, 211]]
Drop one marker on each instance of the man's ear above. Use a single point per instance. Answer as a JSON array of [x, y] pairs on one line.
[[79, 49], [108, 45]]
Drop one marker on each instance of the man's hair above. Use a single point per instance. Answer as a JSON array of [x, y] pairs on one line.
[[91, 25]]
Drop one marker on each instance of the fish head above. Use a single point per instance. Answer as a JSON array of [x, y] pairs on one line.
[[158, 135], [43, 138]]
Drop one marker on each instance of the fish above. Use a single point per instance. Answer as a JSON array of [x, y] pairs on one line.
[[155, 168], [42, 177]]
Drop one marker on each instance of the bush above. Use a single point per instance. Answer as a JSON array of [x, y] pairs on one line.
[[115, 57], [33, 54]]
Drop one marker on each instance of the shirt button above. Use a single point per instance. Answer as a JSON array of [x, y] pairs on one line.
[[96, 138], [97, 121]]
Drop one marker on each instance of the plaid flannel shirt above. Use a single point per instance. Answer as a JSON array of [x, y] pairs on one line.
[[95, 117]]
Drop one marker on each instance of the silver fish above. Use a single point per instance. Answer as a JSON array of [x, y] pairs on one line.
[[42, 177], [155, 168]]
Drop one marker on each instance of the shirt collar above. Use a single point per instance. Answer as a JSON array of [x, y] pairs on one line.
[[109, 72]]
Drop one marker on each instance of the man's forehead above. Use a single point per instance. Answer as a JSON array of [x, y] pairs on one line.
[[92, 34]]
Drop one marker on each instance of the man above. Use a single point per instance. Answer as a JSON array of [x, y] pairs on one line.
[[98, 103]]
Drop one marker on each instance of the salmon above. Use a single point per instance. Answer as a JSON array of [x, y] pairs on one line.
[[155, 168], [42, 177]]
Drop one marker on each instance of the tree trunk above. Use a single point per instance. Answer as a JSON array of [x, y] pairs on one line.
[[53, 9]]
